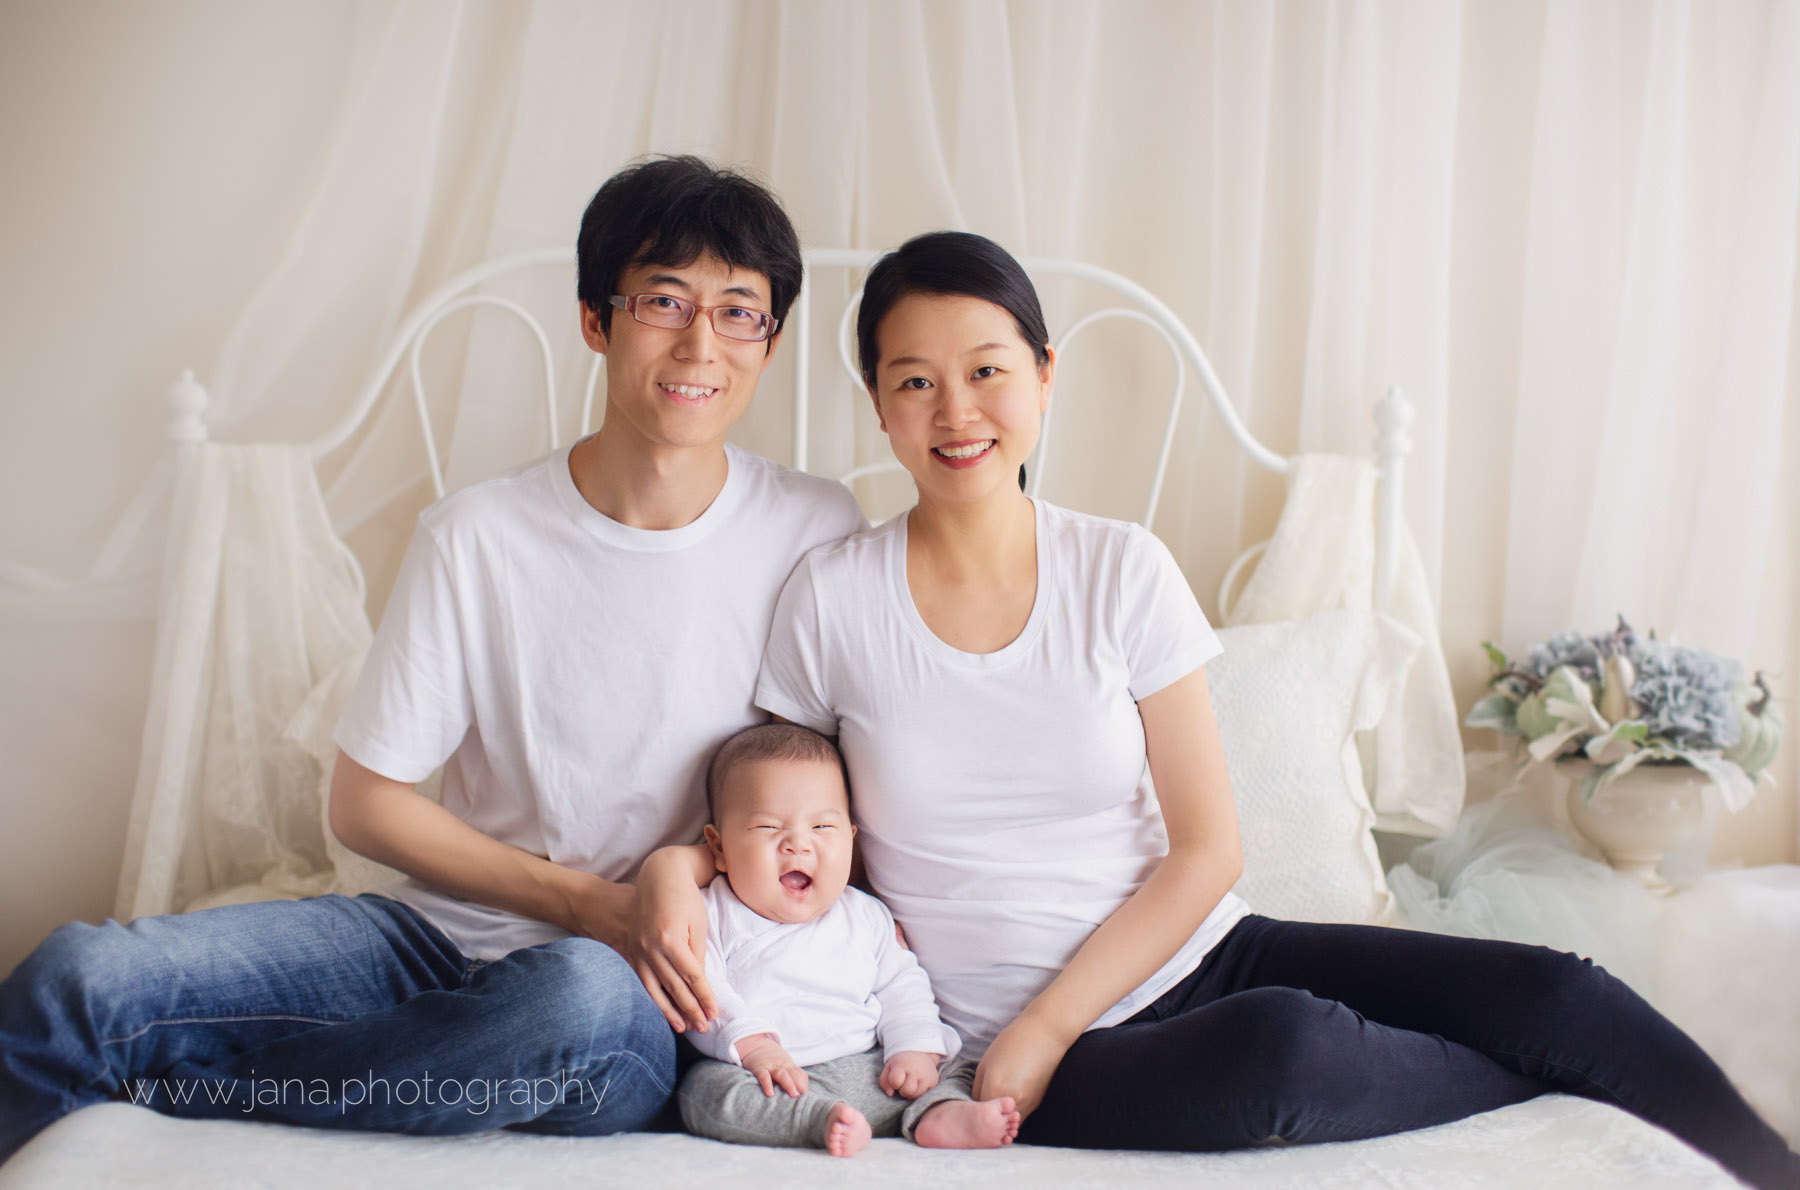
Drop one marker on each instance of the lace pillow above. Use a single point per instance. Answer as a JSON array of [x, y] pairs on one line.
[[1290, 697]]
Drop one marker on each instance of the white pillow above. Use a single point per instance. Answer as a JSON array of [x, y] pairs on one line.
[[1290, 697]]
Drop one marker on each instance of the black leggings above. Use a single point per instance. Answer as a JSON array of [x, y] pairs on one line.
[[1290, 1032]]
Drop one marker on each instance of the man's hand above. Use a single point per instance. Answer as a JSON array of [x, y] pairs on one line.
[[1019, 1064], [764, 1057], [666, 944], [910, 1073], [598, 909]]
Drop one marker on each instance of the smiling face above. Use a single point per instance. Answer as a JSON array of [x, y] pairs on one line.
[[783, 836], [959, 393], [679, 387]]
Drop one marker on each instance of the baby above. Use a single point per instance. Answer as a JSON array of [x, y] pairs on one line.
[[808, 974]]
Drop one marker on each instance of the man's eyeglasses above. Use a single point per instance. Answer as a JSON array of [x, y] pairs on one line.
[[673, 313]]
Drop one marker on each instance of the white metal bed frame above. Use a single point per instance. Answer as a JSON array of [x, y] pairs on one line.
[[1393, 414]]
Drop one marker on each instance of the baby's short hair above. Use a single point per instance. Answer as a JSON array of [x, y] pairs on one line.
[[771, 741]]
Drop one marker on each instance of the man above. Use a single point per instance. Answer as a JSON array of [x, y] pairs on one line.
[[570, 642]]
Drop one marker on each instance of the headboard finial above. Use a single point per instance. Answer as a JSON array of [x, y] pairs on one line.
[[1393, 420], [187, 401]]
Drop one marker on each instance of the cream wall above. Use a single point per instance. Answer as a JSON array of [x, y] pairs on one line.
[[155, 157]]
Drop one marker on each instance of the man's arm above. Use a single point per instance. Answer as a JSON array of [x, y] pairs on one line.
[[391, 823], [668, 935]]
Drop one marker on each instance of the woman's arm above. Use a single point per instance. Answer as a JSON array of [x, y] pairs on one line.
[[1187, 763]]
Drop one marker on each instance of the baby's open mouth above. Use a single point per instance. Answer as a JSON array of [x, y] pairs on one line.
[[796, 881]]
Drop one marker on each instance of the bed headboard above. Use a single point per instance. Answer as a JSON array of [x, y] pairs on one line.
[[1129, 301]]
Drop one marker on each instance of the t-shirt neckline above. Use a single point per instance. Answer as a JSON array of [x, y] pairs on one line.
[[628, 537], [936, 645]]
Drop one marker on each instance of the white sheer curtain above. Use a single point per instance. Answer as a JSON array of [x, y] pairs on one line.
[[1322, 191], [1657, 320]]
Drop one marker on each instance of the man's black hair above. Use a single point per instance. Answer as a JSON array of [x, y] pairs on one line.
[[673, 210]]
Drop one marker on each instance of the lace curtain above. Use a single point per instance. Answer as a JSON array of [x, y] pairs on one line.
[[260, 635]]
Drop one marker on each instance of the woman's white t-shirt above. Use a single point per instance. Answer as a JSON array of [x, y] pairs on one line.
[[1003, 799]]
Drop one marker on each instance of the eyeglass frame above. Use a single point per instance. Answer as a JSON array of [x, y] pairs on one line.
[[619, 301]]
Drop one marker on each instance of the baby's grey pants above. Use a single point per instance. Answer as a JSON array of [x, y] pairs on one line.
[[725, 1102]]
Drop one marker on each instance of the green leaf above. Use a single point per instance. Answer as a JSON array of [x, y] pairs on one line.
[[1533, 719], [1495, 657], [1620, 741], [1497, 711]]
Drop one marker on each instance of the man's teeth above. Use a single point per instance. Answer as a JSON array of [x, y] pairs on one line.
[[965, 452], [689, 390]]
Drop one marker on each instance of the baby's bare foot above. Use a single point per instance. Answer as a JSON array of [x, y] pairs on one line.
[[848, 1132], [962, 1124]]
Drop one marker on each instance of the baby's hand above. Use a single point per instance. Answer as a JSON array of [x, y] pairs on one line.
[[772, 1065], [910, 1073]]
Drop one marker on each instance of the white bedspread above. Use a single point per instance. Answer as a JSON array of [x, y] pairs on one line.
[[1553, 1141]]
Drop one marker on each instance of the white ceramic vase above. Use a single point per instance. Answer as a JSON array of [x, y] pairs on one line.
[[1639, 817]]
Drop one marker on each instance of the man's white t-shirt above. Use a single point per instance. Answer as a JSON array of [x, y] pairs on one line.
[[572, 674], [1003, 799], [826, 988]]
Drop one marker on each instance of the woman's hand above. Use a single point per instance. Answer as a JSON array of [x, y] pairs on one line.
[[910, 1073], [1019, 1064], [666, 942]]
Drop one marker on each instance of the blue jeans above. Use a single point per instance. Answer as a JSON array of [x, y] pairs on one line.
[[1290, 1033], [334, 1012]]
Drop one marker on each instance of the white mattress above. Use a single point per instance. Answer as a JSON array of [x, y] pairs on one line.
[[1552, 1141]]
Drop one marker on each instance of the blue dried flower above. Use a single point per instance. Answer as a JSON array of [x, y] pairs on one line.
[[1565, 648], [1688, 695], [1620, 642]]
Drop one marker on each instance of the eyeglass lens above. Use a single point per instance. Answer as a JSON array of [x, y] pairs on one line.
[[733, 322]]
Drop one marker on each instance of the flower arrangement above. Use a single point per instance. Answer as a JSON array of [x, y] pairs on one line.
[[1622, 700]]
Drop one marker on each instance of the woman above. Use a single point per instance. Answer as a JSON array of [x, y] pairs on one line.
[[1003, 676]]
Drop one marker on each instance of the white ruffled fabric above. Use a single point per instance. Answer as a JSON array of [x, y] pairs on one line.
[[1720, 957], [260, 632], [1322, 557]]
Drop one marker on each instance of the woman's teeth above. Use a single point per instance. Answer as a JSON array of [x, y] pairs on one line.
[[964, 452], [688, 390]]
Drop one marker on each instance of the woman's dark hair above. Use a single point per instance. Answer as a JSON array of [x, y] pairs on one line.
[[956, 263], [673, 210]]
